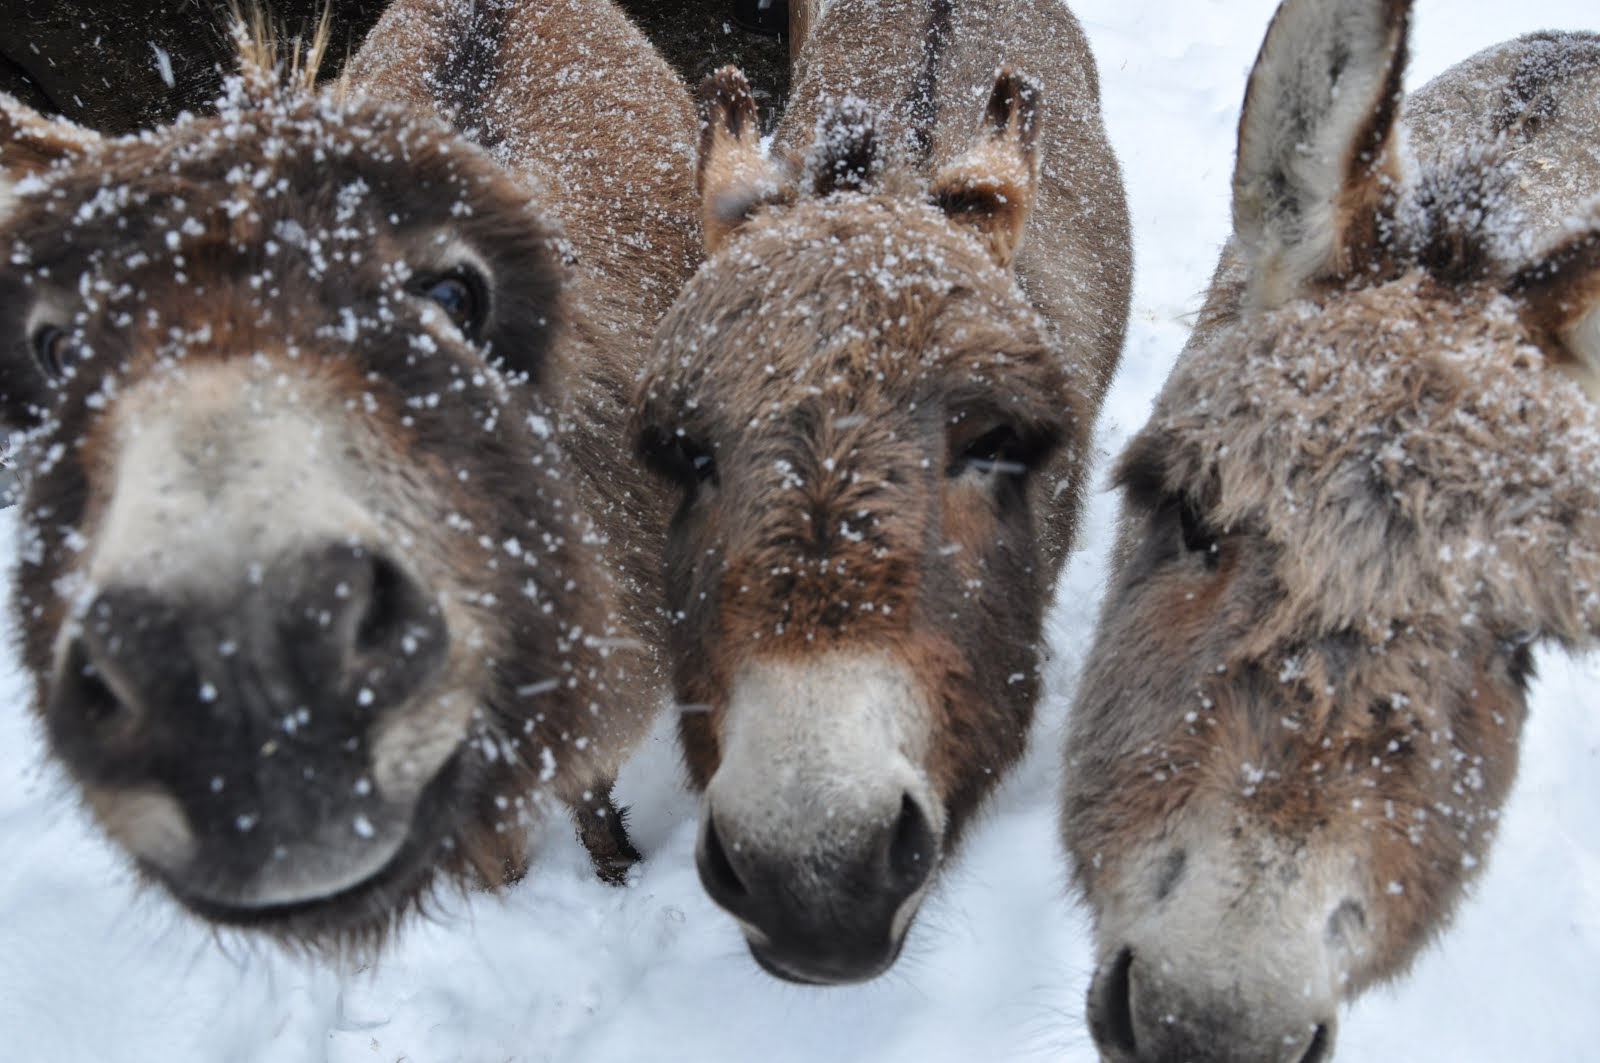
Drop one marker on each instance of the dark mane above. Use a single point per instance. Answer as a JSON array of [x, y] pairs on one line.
[[470, 67], [1458, 215], [922, 102], [1533, 95]]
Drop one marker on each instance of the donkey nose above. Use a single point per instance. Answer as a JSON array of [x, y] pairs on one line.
[[307, 650], [1138, 1015], [827, 916]]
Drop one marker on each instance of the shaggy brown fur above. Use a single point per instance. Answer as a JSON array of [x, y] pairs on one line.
[[1369, 485], [876, 399], [329, 549]]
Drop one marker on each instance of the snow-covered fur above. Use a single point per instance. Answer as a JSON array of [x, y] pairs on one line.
[[336, 570], [1371, 482], [876, 399]]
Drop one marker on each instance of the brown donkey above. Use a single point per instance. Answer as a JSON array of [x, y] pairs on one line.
[[325, 456], [1370, 485], [876, 401]]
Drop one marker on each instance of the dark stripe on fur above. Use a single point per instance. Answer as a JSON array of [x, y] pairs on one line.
[[470, 69], [923, 101], [1533, 94]]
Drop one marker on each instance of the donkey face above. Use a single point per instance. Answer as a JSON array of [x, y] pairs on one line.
[[1367, 488], [854, 400], [297, 563]]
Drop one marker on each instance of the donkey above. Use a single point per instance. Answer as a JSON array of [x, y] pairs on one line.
[[1370, 486], [335, 567], [875, 400]]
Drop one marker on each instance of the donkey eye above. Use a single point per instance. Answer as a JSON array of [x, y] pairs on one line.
[[998, 451], [57, 352], [462, 294], [1197, 538], [678, 457]]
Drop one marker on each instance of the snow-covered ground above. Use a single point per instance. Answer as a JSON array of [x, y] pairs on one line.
[[563, 968]]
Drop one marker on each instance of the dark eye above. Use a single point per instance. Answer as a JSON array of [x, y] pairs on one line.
[[57, 352], [1197, 538], [677, 457], [999, 451], [462, 294], [1516, 652]]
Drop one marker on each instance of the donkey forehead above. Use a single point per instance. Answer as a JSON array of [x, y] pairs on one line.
[[869, 297], [893, 250], [316, 172], [1408, 450]]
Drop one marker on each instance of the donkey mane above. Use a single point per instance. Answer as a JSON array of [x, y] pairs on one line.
[[467, 66], [260, 48], [1531, 95], [922, 101]]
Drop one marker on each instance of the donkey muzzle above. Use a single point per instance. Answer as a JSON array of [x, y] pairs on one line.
[[225, 738]]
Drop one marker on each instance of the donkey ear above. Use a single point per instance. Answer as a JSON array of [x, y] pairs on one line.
[[1560, 298], [30, 142], [734, 177], [1317, 163], [991, 187]]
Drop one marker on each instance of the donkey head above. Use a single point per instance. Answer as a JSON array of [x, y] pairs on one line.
[[1369, 485], [297, 566], [857, 404]]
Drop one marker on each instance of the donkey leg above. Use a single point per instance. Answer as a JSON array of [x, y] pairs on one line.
[[603, 830]]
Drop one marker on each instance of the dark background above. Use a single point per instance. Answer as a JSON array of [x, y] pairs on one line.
[[96, 61]]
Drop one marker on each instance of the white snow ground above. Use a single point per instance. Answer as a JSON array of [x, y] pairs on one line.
[[563, 968]]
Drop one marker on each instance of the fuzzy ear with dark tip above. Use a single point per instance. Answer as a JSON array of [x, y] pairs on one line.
[[30, 142], [846, 155], [991, 187], [1316, 172], [1560, 299], [734, 177]]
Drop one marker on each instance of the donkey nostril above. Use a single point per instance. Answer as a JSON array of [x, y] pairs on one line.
[[1321, 1046], [359, 621], [97, 702], [91, 724], [388, 608], [722, 881], [84, 691], [912, 848], [110, 719], [1346, 924], [1116, 1004]]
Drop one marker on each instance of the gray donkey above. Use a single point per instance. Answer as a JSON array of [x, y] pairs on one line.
[[1370, 486]]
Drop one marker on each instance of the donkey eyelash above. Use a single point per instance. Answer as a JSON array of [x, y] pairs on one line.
[[678, 457], [1197, 538], [1003, 450], [57, 351]]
